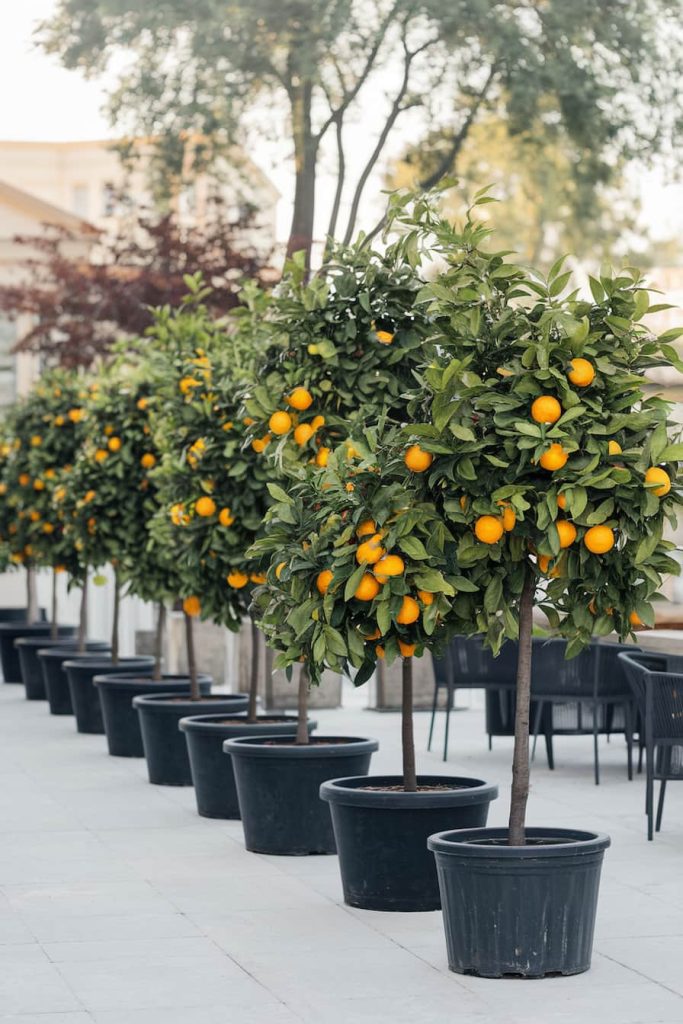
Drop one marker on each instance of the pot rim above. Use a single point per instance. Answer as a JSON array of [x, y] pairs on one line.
[[216, 724], [36, 641], [169, 701], [9, 627], [352, 791], [257, 746], [463, 843], [141, 660], [54, 652], [128, 680]]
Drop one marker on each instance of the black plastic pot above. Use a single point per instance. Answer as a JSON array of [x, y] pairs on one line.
[[9, 656], [121, 720], [168, 763], [212, 775], [278, 786], [52, 664], [525, 911], [29, 665], [382, 835], [18, 615], [84, 697]]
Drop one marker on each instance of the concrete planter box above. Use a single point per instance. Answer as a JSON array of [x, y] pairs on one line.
[[385, 686], [210, 643], [277, 693]]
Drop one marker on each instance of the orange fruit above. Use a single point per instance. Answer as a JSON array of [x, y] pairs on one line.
[[205, 507], [59, 421], [375, 635], [24, 479], [554, 458], [463, 501], [599, 539], [366, 528], [142, 404], [488, 529], [407, 650], [322, 457], [418, 460], [303, 433], [614, 448], [101, 454], [317, 422], [655, 475], [390, 565], [635, 619], [38, 485], [148, 460], [34, 516], [509, 518], [192, 606], [75, 415], [48, 528], [385, 337], [225, 517], [349, 487], [258, 578], [562, 501], [409, 611], [368, 588], [425, 597], [379, 651], [259, 444], [237, 579], [36, 440], [323, 580], [300, 399], [567, 532], [88, 496], [546, 409], [280, 423], [582, 373], [371, 550], [278, 570]]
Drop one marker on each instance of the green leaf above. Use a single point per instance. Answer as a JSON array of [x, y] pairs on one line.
[[413, 547], [353, 581], [279, 494]]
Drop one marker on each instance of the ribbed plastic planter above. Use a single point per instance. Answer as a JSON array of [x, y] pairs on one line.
[[278, 786], [9, 656], [168, 763], [212, 775], [29, 665], [382, 833], [85, 699], [519, 911], [52, 664], [121, 721], [18, 615]]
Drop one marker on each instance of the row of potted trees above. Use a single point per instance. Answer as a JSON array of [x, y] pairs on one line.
[[365, 464]]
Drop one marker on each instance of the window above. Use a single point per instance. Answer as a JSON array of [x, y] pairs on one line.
[[8, 337], [108, 199]]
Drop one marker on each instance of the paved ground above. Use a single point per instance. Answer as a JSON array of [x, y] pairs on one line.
[[119, 905]]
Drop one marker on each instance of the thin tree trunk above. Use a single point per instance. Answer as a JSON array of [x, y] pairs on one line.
[[159, 640], [115, 621], [254, 680], [191, 659], [54, 632], [31, 595], [302, 721], [83, 616], [520, 758], [305, 161], [341, 174], [407, 737]]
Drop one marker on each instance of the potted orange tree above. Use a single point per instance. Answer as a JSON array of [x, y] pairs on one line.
[[556, 470]]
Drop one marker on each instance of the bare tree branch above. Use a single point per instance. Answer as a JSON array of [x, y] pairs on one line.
[[341, 173]]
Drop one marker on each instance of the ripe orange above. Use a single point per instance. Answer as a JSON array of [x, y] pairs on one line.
[[582, 373], [322, 457], [24, 479], [278, 569], [390, 565], [409, 611], [554, 458], [418, 460], [425, 597], [509, 517], [88, 496], [635, 619], [407, 650], [599, 539], [34, 516], [323, 580], [259, 444], [379, 651], [368, 588], [562, 501], [614, 448], [101, 454], [303, 433], [385, 337], [237, 579], [655, 475], [142, 403], [349, 487], [546, 409], [366, 528], [567, 532], [371, 550], [192, 606], [300, 399], [488, 529], [205, 507], [36, 440], [148, 460], [375, 635], [38, 485], [463, 501], [258, 578], [317, 422], [225, 517], [48, 528], [280, 423]]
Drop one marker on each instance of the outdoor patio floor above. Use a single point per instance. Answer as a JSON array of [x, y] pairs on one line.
[[119, 905]]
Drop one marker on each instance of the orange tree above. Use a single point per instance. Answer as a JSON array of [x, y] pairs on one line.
[[212, 485], [345, 345], [553, 461], [46, 429]]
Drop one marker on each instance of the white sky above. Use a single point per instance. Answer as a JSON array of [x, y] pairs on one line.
[[42, 101]]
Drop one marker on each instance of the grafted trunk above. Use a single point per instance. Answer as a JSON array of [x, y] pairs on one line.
[[191, 659], [254, 679], [305, 160], [520, 757], [115, 621], [159, 640], [83, 615], [54, 633], [31, 595], [302, 720], [407, 735]]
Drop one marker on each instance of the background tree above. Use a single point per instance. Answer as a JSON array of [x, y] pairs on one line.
[[81, 307], [608, 72]]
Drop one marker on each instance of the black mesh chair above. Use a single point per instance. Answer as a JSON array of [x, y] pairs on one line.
[[588, 695], [657, 684]]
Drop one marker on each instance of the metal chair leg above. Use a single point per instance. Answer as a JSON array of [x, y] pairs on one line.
[[596, 755], [628, 728], [536, 727], [431, 724], [660, 805], [649, 796]]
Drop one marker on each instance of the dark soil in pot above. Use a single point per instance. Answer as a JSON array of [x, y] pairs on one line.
[[519, 911], [381, 833], [29, 665], [212, 774], [9, 656], [164, 744], [84, 696], [278, 786], [121, 721], [52, 660]]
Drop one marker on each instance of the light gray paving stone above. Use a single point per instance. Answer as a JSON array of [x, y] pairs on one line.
[[223, 1013], [62, 928]]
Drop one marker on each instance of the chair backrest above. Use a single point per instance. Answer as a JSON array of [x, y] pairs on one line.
[[472, 665], [611, 677], [659, 693], [552, 675]]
